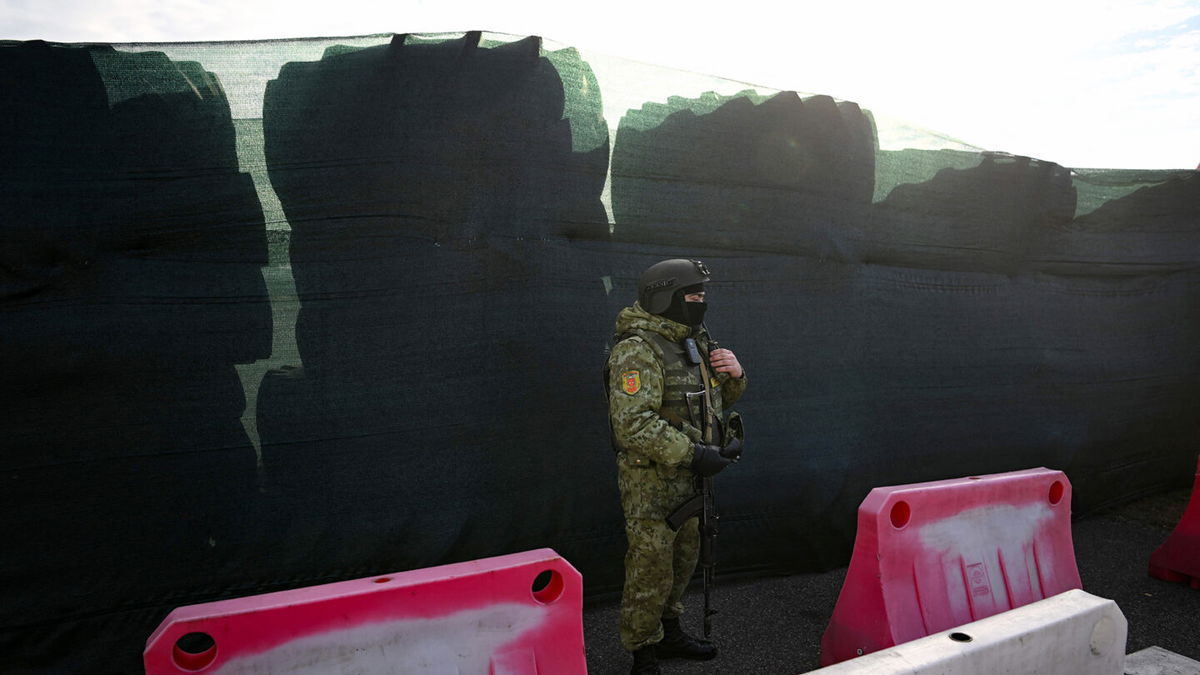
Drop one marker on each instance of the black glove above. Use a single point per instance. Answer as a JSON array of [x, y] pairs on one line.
[[732, 449], [707, 460]]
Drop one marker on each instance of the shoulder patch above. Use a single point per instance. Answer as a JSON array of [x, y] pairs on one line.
[[631, 382]]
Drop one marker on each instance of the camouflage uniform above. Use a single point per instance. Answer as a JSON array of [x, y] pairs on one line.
[[654, 453]]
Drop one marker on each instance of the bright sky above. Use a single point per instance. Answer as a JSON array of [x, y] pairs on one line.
[[1085, 83]]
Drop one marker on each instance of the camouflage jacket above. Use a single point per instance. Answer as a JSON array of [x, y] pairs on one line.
[[654, 445]]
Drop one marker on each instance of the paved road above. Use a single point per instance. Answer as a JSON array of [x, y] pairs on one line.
[[774, 625]]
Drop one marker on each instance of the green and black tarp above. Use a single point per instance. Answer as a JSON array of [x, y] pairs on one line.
[[279, 313]]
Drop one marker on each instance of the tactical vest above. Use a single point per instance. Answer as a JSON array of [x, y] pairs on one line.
[[680, 378]]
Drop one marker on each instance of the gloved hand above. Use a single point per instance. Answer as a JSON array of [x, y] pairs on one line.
[[708, 460], [732, 449]]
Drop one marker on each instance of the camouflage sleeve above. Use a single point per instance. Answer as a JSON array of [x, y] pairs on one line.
[[635, 386], [732, 388]]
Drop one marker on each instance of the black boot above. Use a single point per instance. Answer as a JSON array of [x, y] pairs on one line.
[[645, 662], [677, 644]]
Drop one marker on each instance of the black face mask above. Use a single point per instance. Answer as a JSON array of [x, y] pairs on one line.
[[686, 313]]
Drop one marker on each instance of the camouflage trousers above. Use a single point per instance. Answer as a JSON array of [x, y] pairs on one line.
[[658, 565]]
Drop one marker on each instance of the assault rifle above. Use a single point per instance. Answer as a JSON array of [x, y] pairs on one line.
[[703, 503]]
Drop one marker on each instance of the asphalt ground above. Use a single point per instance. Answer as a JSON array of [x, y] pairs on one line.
[[774, 625]]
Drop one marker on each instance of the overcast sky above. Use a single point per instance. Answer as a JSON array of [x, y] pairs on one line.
[[1085, 83]]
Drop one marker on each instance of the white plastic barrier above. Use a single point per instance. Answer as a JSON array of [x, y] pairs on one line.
[[1067, 634]]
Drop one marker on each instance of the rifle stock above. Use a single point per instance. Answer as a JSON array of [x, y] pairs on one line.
[[685, 511]]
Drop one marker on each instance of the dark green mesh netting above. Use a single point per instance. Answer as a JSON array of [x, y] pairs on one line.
[[280, 313]]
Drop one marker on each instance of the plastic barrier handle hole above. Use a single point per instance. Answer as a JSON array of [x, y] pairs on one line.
[[547, 586], [383, 580], [900, 514], [1056, 492], [961, 637], [194, 651]]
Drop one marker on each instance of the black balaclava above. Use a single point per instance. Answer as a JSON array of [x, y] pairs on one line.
[[686, 313]]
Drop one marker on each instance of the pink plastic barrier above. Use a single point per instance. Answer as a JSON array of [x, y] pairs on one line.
[[519, 614], [1178, 559], [932, 556]]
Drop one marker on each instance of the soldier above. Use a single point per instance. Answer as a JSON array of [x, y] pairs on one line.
[[663, 391]]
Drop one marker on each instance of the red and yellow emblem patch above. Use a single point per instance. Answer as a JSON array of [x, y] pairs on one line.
[[632, 381]]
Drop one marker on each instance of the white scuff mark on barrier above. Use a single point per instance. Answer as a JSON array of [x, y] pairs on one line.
[[990, 556], [986, 528], [463, 642], [608, 285]]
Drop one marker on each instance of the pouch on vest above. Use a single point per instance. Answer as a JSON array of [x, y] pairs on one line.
[[734, 428]]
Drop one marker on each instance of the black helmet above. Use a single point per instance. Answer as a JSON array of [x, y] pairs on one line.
[[662, 279]]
